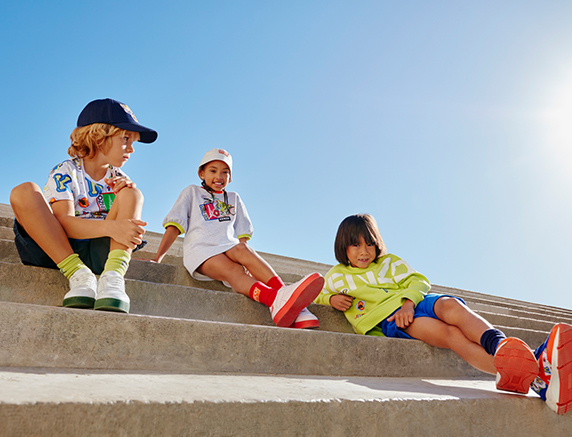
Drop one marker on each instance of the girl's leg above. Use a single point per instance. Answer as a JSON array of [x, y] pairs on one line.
[[222, 268], [440, 334], [36, 217], [243, 254], [456, 313]]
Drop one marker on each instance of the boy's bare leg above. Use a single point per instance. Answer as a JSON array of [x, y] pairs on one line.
[[454, 312], [440, 334], [128, 204], [36, 217], [222, 268], [243, 254]]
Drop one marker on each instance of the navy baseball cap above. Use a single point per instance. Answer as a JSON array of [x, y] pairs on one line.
[[118, 114]]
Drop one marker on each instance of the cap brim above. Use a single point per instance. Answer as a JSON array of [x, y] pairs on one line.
[[146, 135]]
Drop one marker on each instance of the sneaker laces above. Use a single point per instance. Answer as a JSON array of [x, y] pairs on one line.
[[81, 278], [115, 282]]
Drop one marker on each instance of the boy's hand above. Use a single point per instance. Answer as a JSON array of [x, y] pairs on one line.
[[341, 302], [117, 183], [128, 232], [404, 316]]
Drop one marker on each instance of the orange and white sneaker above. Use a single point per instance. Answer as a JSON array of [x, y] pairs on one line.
[[554, 382], [292, 299], [516, 365], [305, 320]]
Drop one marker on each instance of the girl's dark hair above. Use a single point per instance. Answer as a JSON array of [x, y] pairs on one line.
[[353, 227]]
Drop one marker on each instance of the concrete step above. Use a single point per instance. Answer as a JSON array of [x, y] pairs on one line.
[[35, 285], [75, 402], [62, 338]]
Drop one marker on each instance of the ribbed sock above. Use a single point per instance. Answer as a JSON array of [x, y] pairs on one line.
[[118, 261], [262, 293], [275, 282], [70, 265], [490, 340]]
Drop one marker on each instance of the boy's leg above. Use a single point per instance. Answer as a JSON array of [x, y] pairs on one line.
[[554, 383], [35, 216], [514, 362], [111, 295], [440, 334]]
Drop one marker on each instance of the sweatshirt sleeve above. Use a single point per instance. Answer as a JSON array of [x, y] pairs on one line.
[[327, 292], [416, 285], [179, 214]]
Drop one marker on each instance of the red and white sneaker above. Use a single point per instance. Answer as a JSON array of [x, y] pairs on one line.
[[305, 320], [554, 383], [292, 299], [516, 365]]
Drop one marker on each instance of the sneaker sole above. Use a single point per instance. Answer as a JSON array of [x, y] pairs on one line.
[[303, 296], [109, 304], [516, 366], [559, 392], [306, 324], [79, 302]]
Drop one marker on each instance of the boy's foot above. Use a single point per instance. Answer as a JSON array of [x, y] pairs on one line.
[[83, 284], [305, 320], [554, 383], [516, 365], [111, 294], [292, 299]]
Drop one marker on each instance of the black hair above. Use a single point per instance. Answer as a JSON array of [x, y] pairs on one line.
[[349, 233]]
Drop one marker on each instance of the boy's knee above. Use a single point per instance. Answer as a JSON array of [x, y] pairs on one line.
[[131, 193], [22, 192], [447, 305]]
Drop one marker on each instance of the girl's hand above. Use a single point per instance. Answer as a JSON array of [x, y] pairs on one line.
[[341, 302], [404, 316], [117, 183]]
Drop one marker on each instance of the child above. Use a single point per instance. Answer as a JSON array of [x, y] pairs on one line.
[[87, 219], [217, 229], [382, 295]]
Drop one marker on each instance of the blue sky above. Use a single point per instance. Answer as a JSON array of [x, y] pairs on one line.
[[449, 121]]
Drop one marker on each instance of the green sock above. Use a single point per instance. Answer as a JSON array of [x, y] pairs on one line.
[[118, 261], [70, 265]]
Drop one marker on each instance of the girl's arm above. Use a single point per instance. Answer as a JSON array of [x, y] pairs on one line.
[[169, 237]]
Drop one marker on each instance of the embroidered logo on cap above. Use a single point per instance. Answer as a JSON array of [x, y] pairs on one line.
[[129, 111]]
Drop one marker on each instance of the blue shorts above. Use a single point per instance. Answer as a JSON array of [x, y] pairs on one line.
[[425, 308]]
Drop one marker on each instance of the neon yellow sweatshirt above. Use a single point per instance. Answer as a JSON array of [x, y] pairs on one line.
[[378, 290]]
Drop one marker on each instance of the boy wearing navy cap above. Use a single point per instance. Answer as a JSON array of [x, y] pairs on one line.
[[87, 219]]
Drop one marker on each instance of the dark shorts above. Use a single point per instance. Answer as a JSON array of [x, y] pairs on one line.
[[425, 308], [93, 252]]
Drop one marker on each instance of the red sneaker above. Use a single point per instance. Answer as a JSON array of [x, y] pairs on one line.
[[292, 299], [516, 365]]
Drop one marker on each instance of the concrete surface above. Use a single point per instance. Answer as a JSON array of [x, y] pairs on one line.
[[43, 402]]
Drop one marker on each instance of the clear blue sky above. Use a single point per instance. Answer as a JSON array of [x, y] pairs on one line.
[[450, 122]]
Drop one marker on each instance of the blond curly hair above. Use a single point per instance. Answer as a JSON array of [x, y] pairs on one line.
[[86, 141]]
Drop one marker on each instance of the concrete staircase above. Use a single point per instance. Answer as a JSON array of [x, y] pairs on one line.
[[195, 358]]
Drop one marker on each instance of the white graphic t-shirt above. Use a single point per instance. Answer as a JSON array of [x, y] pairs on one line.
[[211, 224], [69, 181]]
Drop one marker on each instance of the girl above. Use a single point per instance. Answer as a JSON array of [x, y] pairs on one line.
[[382, 295], [217, 229], [87, 219]]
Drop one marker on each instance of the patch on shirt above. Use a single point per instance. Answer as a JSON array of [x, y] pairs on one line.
[[214, 209]]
